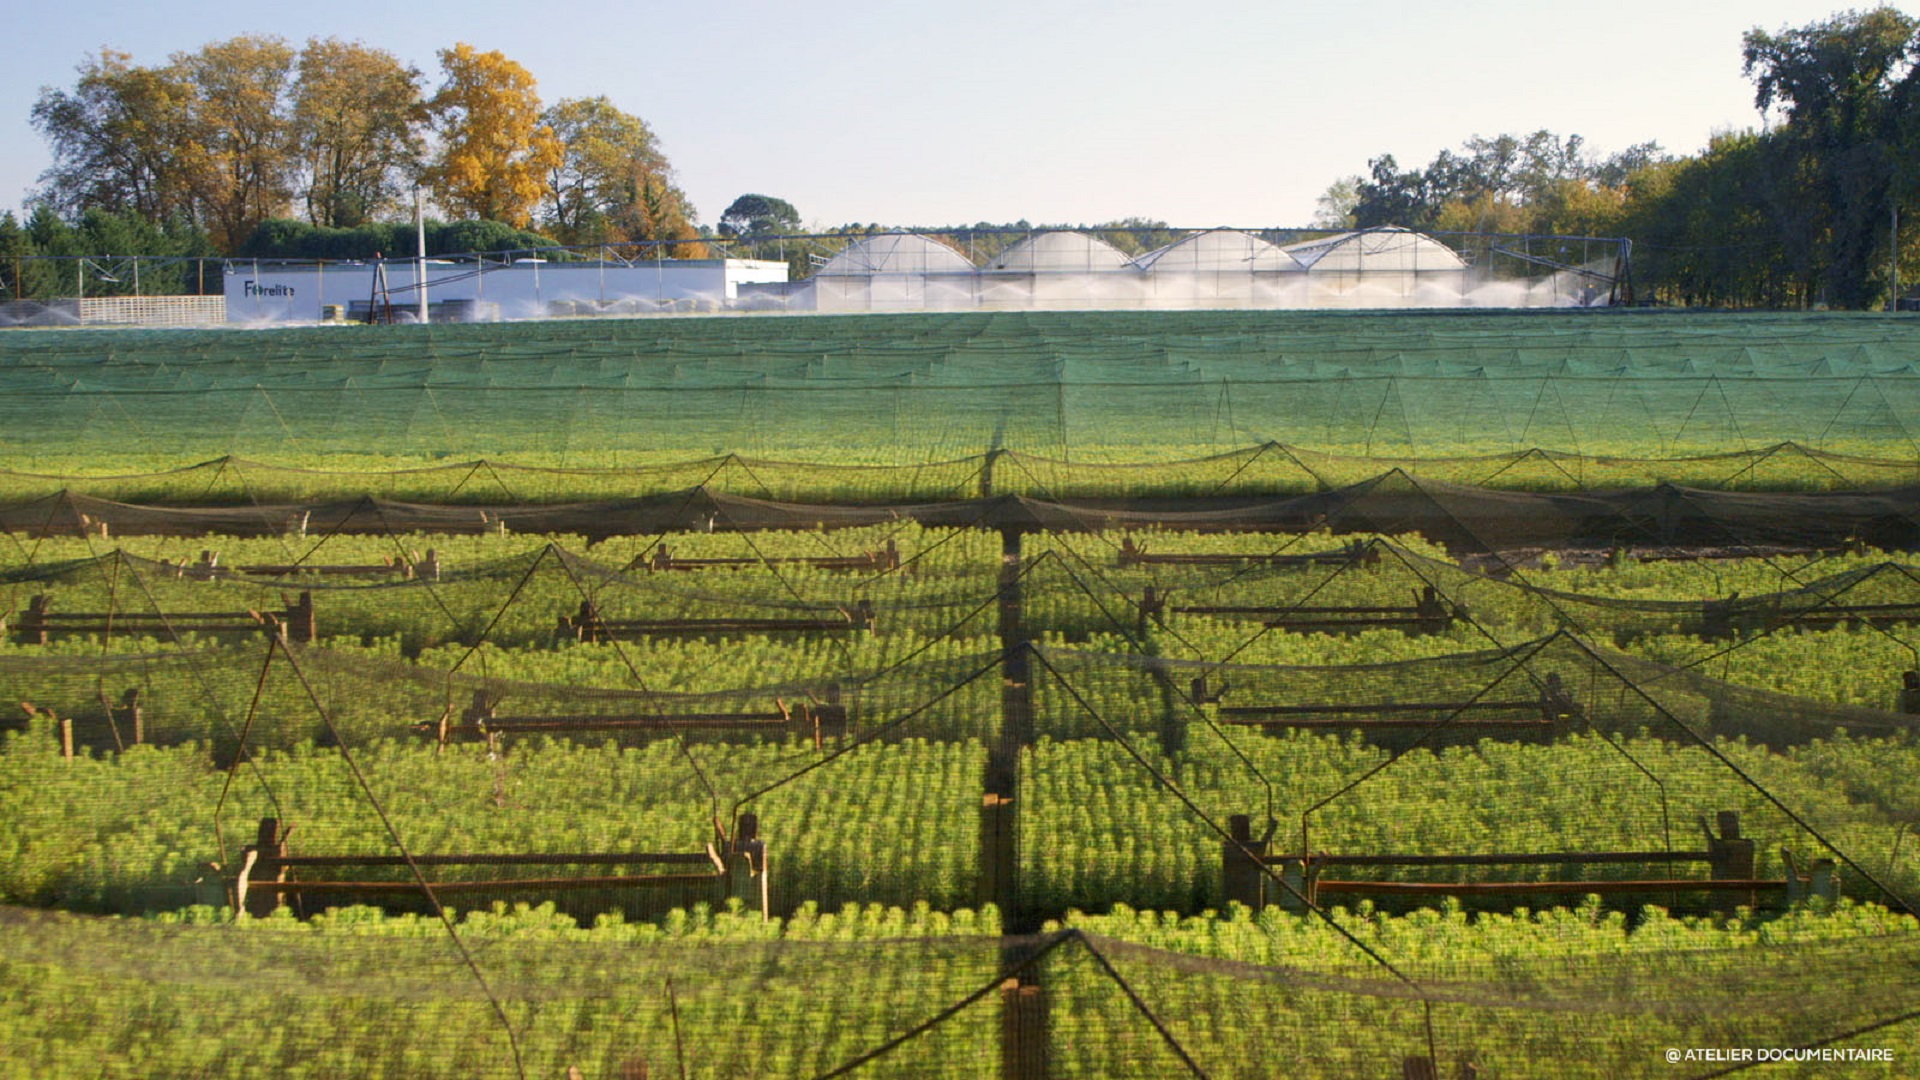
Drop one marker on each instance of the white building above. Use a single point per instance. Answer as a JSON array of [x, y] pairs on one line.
[[265, 291]]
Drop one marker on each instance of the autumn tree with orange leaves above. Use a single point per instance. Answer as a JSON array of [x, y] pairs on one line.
[[495, 154]]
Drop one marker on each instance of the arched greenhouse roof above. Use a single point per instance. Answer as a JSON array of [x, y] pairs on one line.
[[896, 253], [1060, 251], [1387, 248], [1217, 251]]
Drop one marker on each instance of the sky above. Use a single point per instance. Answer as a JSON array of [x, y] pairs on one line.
[[1216, 112]]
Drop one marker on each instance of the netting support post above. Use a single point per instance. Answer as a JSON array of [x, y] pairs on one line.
[[1910, 693], [1730, 857], [746, 862], [1000, 843], [1300, 890], [1419, 1068], [31, 628], [66, 737], [262, 867], [302, 626], [1240, 875], [1023, 1030], [134, 714], [1821, 879]]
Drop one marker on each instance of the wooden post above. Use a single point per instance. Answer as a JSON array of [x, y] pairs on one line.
[[302, 626], [32, 627], [583, 625], [269, 847], [746, 863], [1433, 613], [1199, 694], [1910, 693], [1241, 878], [1299, 881], [828, 717], [1367, 555], [1716, 618], [1151, 604], [1419, 1068], [475, 717], [860, 615], [135, 715], [66, 737], [1730, 857], [1023, 1030], [1130, 553], [1825, 879], [1557, 704], [1820, 879]]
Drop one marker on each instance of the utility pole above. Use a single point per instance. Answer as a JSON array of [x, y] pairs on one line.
[[420, 268]]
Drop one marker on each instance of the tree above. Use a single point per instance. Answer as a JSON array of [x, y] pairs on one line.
[[755, 216], [1334, 208], [238, 158], [495, 154], [1505, 184], [1851, 96], [613, 183], [356, 118], [1137, 235], [286, 238], [115, 139], [1392, 197], [1728, 227]]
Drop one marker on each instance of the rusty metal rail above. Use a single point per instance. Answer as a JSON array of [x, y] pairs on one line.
[[416, 568], [1553, 709], [1428, 614], [1729, 857], [820, 718], [263, 881], [878, 561], [589, 625], [1356, 553], [36, 626]]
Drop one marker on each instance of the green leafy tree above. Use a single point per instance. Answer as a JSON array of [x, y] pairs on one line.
[[1137, 235], [1334, 208], [613, 183], [754, 216], [1731, 226], [1851, 96], [239, 156], [356, 119], [1390, 196], [116, 139]]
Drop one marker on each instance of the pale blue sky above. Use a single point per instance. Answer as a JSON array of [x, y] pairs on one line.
[[1237, 112]]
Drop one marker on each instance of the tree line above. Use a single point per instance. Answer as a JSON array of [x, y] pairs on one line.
[[1802, 212], [253, 147], [336, 135]]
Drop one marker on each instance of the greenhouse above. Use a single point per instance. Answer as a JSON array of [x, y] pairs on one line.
[[1221, 268], [1059, 252]]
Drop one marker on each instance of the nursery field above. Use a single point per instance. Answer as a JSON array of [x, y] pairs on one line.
[[878, 408], [1090, 695]]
